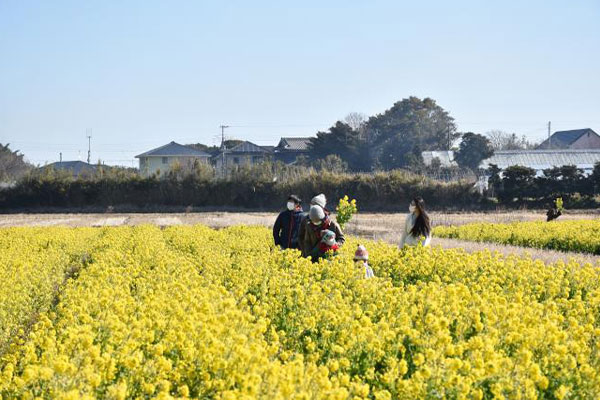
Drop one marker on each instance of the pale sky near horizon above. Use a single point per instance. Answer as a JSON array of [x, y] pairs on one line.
[[143, 73]]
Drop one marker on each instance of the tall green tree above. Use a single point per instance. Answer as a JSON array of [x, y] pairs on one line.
[[494, 180], [517, 183], [595, 178], [398, 135], [473, 149], [343, 141]]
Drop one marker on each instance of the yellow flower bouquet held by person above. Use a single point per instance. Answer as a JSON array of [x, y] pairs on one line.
[[345, 210]]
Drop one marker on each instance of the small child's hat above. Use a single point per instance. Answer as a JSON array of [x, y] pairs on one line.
[[361, 253]]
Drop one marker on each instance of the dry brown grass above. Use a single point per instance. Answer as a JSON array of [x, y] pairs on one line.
[[369, 225], [366, 223]]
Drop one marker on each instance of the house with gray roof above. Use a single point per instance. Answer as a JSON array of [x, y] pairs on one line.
[[290, 148], [75, 168], [160, 160], [244, 154], [573, 139]]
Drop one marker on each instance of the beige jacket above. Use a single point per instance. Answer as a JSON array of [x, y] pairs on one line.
[[407, 238]]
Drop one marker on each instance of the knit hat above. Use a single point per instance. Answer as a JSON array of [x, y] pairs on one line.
[[361, 253], [319, 200], [328, 237], [316, 213]]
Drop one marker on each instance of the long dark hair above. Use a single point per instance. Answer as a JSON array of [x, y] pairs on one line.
[[422, 225]]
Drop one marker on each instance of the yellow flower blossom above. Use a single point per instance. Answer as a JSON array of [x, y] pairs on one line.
[[134, 312]]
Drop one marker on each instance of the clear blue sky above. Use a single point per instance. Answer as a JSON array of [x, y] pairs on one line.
[[143, 73]]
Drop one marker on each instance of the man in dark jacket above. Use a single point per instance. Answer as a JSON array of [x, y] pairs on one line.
[[285, 230]]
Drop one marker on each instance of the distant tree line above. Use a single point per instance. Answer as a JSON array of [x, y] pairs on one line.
[[264, 186], [518, 185]]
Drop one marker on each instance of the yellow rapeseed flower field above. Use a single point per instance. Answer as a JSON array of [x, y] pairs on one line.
[[581, 236], [182, 312]]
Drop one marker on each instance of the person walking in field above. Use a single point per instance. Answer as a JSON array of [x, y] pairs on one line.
[[362, 256], [319, 222], [417, 227], [318, 200], [287, 224]]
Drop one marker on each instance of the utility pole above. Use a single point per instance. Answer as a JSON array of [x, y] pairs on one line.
[[549, 135], [89, 145], [223, 149]]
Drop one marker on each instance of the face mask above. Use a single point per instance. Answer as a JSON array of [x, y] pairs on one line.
[[291, 205], [412, 208]]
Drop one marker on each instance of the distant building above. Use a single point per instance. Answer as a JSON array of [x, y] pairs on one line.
[[446, 158], [160, 160], [290, 148], [544, 159], [75, 168], [244, 154], [574, 139]]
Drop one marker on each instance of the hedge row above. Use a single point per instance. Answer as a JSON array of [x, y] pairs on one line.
[[390, 191]]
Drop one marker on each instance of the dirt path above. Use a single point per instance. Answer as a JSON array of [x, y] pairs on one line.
[[367, 222], [548, 256], [368, 225]]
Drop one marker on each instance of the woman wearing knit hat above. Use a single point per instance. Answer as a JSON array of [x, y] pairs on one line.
[[319, 221], [318, 200], [362, 256]]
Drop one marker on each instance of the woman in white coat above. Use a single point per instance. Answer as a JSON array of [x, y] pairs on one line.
[[417, 227]]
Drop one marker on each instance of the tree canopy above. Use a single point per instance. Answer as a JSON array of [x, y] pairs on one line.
[[343, 141], [412, 125], [392, 139], [473, 149]]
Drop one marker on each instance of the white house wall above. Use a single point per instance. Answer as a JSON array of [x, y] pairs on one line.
[[155, 164], [587, 141], [243, 160]]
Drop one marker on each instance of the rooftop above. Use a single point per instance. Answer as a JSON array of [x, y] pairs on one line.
[[543, 159], [249, 147], [294, 143], [76, 167], [563, 139], [173, 149]]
